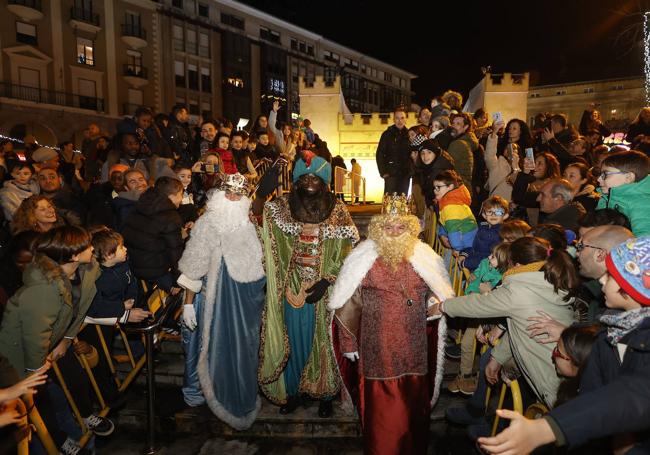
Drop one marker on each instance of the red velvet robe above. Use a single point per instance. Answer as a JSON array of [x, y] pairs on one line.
[[393, 381]]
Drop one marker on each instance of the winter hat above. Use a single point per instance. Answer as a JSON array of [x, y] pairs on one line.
[[430, 144], [43, 154], [629, 265], [314, 165]]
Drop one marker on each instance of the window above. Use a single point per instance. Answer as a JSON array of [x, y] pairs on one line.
[[589, 90], [179, 70], [269, 35], [204, 45], [363, 69], [310, 50], [233, 21], [135, 97], [85, 51], [534, 95], [132, 25], [177, 4], [26, 33], [192, 77], [179, 41], [133, 63], [618, 87], [388, 77], [206, 80], [28, 77], [294, 44], [87, 94], [331, 56], [204, 10], [235, 82], [191, 44], [560, 92]]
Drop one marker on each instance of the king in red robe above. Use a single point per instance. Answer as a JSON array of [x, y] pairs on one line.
[[390, 351]]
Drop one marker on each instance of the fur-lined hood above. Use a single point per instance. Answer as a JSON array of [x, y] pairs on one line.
[[44, 270]]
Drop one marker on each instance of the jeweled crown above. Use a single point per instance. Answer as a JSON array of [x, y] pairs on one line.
[[235, 183], [395, 205]]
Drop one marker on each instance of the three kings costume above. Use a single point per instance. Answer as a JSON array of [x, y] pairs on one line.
[[381, 315], [296, 355], [222, 263]]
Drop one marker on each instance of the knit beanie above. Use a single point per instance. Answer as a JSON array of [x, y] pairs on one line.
[[629, 265], [314, 165]]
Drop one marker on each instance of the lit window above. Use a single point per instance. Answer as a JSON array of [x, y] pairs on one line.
[[85, 52], [236, 82]]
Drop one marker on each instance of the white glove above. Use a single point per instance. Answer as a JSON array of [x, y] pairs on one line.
[[351, 356], [189, 317]]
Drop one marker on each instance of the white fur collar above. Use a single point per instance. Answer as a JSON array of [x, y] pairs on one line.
[[242, 253], [426, 263]]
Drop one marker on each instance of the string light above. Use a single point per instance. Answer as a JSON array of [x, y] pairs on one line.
[[646, 56], [20, 141]]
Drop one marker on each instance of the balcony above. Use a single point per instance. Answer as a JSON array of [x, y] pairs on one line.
[[134, 36], [84, 19], [39, 96], [27, 10], [135, 75]]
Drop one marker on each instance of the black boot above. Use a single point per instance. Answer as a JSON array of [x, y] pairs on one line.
[[291, 405], [325, 409]]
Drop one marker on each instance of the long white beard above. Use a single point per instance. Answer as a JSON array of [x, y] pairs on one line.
[[229, 215]]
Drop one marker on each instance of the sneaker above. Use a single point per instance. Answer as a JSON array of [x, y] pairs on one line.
[[463, 415], [467, 384], [454, 386], [72, 447], [452, 351], [101, 426]]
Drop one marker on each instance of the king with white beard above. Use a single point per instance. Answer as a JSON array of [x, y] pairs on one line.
[[224, 279]]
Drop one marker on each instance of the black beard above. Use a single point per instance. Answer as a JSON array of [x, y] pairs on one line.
[[311, 208]]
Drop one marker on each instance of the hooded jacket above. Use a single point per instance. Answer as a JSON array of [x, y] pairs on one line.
[[428, 172], [519, 297], [152, 233], [632, 200], [499, 169], [13, 194], [456, 218], [462, 151], [42, 313]]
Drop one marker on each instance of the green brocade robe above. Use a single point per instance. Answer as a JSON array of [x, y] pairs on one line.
[[279, 234]]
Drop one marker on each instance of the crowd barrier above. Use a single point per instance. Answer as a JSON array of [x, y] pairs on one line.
[[157, 302], [349, 185], [460, 277]]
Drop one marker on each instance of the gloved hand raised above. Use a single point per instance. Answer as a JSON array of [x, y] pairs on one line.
[[317, 291], [189, 317]]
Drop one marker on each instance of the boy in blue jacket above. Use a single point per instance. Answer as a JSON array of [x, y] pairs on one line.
[[495, 211]]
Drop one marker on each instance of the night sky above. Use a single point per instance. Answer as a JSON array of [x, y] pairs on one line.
[[447, 43]]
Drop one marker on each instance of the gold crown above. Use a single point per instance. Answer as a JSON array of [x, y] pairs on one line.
[[235, 183], [395, 205]]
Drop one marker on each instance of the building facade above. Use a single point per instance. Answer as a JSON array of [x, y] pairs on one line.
[[618, 100], [65, 63]]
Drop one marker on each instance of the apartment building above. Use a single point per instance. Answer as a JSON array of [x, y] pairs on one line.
[[65, 63]]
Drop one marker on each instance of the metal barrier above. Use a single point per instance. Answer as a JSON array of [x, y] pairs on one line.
[[151, 333]]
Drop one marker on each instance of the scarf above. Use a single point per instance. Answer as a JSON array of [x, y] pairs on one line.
[[532, 267], [620, 324]]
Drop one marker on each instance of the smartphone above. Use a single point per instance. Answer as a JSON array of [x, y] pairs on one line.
[[21, 156], [209, 168], [529, 154], [497, 117]]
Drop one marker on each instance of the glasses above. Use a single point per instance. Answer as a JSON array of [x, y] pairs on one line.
[[557, 354], [581, 246], [605, 174], [494, 212], [439, 187]]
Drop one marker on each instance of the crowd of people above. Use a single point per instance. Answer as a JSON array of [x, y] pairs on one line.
[[279, 298], [552, 226]]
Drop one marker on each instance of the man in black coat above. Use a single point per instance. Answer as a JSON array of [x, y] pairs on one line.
[[393, 155], [153, 233], [179, 134]]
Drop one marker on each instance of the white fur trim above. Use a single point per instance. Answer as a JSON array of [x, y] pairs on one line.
[[356, 266], [440, 360], [432, 270], [242, 252], [187, 283]]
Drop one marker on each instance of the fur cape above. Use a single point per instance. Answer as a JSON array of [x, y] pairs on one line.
[[426, 263], [242, 252]]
